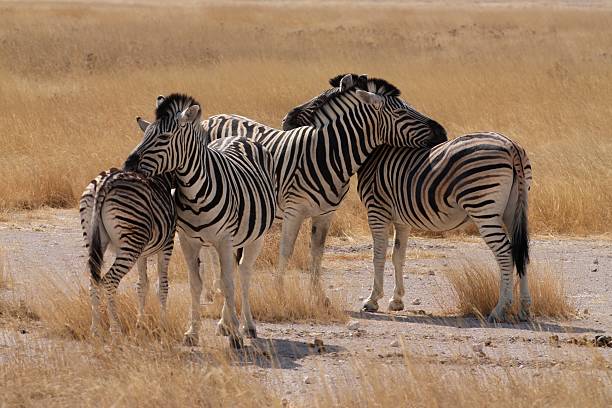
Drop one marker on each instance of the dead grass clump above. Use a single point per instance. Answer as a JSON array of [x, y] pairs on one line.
[[296, 303], [414, 384], [475, 287], [6, 280], [66, 312], [62, 375]]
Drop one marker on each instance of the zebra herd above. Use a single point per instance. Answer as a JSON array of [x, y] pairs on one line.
[[233, 177]]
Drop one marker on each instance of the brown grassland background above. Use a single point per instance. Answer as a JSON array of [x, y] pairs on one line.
[[73, 77]]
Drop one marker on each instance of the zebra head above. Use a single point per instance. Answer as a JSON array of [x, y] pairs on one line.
[[399, 123], [170, 139]]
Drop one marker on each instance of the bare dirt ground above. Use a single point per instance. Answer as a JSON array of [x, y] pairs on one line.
[[50, 241]]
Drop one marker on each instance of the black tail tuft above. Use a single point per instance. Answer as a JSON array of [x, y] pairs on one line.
[[96, 256], [520, 238]]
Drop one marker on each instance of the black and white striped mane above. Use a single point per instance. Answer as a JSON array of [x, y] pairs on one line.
[[172, 104], [375, 85]]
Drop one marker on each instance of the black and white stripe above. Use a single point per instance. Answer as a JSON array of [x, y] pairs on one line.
[[314, 163], [225, 197], [136, 217], [480, 177]]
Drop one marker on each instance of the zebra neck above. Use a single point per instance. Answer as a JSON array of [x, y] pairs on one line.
[[196, 177]]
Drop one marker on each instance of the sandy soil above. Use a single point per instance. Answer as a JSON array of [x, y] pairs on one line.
[[50, 241]]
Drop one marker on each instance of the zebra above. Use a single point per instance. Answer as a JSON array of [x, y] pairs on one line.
[[137, 218], [478, 177], [314, 164], [225, 197]]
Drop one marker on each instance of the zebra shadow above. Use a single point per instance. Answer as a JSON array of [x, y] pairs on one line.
[[461, 322], [280, 353]]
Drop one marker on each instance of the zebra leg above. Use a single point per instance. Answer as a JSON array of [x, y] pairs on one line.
[[494, 234], [94, 295], [228, 325], [380, 236], [143, 289], [251, 252], [163, 259], [191, 251], [320, 227], [399, 255], [289, 232], [124, 261], [524, 312], [212, 286]]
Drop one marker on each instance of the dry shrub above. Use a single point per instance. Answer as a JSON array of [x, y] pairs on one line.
[[126, 376], [65, 311], [475, 287], [296, 302], [414, 384]]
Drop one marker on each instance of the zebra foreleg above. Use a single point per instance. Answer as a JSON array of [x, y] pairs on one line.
[[399, 255], [163, 259], [251, 252], [228, 325], [289, 232], [320, 228], [191, 250], [142, 289], [380, 237]]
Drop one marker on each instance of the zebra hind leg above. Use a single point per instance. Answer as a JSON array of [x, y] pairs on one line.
[[289, 232], [191, 250], [229, 324], [495, 236], [399, 255], [143, 289], [320, 228], [380, 235], [124, 261]]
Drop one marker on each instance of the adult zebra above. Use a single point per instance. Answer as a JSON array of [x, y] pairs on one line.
[[225, 196], [136, 217], [314, 164], [479, 177]]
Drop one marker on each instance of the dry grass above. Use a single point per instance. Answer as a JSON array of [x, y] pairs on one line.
[[414, 384], [126, 376], [6, 279], [296, 303], [475, 287], [75, 76]]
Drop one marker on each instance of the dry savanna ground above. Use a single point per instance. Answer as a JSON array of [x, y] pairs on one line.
[[74, 75]]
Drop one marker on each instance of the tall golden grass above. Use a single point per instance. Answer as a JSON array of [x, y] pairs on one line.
[[74, 76], [475, 287]]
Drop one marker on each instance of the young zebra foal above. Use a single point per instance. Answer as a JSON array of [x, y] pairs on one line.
[[480, 177], [137, 218], [225, 197]]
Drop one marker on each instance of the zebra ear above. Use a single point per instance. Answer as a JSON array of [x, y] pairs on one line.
[[346, 82], [159, 100], [191, 114], [370, 98], [142, 124]]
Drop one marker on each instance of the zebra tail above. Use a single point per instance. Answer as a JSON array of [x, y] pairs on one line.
[[96, 255], [520, 227]]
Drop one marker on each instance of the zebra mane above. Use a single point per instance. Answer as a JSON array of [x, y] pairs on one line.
[[173, 103], [375, 85]]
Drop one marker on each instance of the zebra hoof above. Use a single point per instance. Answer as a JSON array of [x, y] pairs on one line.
[[190, 339], [396, 305], [524, 315], [236, 342], [370, 306], [250, 333], [496, 317]]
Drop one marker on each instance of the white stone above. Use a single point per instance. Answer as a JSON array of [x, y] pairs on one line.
[[307, 380], [395, 343], [416, 301], [353, 325]]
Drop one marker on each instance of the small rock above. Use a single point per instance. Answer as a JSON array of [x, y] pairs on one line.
[[353, 325], [405, 276], [594, 269], [416, 301], [431, 273], [596, 261], [318, 345], [554, 340], [307, 380], [395, 343], [585, 311], [477, 347], [488, 343], [23, 331]]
